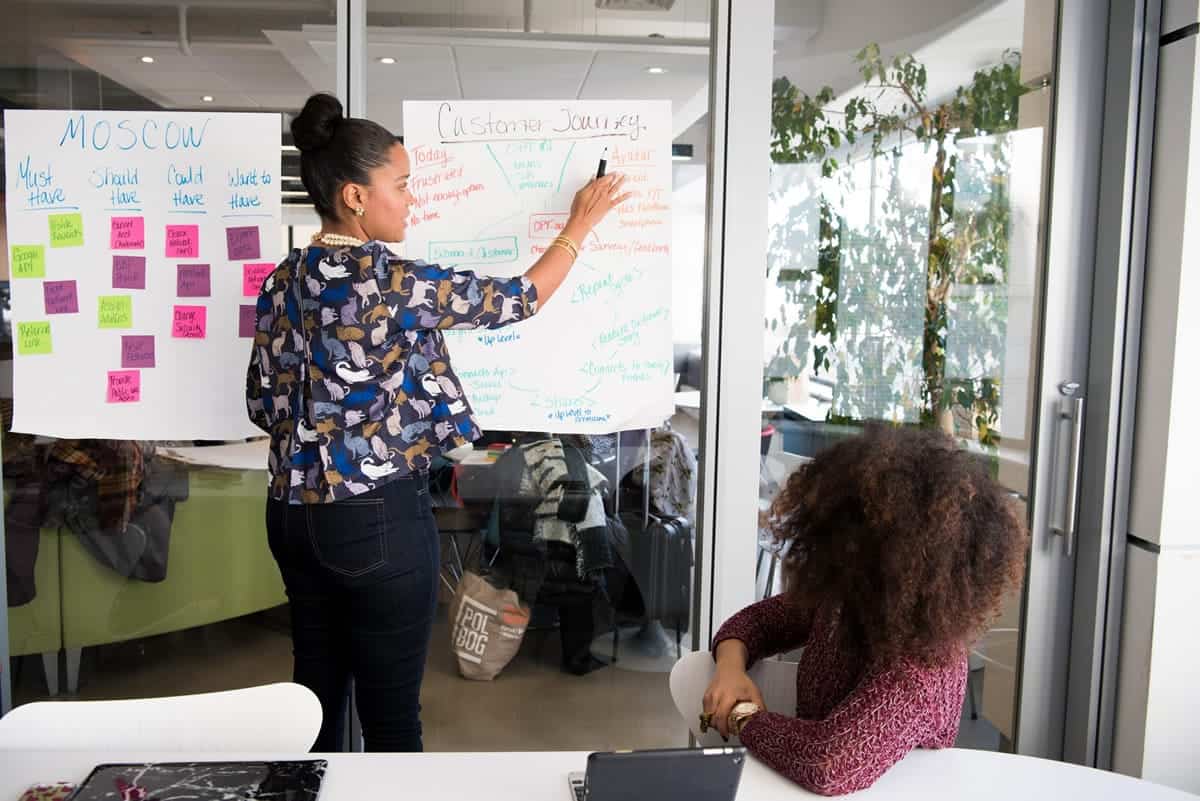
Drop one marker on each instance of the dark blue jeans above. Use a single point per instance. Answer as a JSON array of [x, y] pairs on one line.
[[361, 578]]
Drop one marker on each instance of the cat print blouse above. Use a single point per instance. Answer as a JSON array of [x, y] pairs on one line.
[[349, 373]]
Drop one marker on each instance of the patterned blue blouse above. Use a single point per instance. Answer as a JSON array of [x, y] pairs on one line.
[[349, 372]]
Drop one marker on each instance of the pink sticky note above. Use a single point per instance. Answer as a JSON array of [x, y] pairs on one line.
[[253, 276], [124, 386], [247, 320], [129, 272], [190, 322], [61, 297], [128, 233], [243, 243], [193, 281], [137, 351], [183, 241]]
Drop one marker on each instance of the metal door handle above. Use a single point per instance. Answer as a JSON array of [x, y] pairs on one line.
[[1074, 413]]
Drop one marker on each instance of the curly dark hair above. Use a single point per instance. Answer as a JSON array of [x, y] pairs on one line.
[[907, 535]]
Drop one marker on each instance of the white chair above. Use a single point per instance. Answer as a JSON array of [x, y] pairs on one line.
[[691, 676], [282, 718]]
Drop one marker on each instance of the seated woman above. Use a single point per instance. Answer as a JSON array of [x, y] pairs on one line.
[[901, 549]]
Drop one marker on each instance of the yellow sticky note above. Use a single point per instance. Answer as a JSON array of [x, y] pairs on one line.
[[66, 230], [34, 339], [116, 311], [27, 261]]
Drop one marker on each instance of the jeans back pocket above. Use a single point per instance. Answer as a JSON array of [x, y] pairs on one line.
[[349, 537]]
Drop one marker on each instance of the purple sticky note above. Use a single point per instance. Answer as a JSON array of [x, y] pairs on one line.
[[247, 319], [61, 297], [243, 243], [129, 272], [137, 351], [193, 281]]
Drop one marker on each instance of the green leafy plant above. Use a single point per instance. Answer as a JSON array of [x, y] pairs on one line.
[[939, 254]]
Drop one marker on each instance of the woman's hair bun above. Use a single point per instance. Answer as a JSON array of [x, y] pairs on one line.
[[314, 127]]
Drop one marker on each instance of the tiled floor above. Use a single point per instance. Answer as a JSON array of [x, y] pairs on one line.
[[532, 706]]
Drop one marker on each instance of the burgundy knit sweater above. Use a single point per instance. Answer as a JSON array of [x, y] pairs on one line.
[[852, 721]]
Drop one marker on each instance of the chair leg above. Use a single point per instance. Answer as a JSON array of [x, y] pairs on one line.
[[74, 656], [771, 577], [971, 693], [50, 665]]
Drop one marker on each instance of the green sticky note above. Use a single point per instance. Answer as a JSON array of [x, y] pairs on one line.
[[34, 339], [66, 230], [116, 311], [27, 261]]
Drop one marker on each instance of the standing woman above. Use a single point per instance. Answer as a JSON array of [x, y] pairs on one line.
[[350, 376]]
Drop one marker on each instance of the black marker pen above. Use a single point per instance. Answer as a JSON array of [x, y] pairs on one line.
[[603, 163]]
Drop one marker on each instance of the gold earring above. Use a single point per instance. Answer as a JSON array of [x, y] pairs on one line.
[[360, 211]]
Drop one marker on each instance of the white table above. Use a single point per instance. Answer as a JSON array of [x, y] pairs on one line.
[[250, 455], [813, 409], [529, 776]]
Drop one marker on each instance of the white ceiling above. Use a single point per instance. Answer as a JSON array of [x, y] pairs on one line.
[[430, 65], [269, 54]]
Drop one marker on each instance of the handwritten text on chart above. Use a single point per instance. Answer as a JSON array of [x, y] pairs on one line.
[[497, 250], [102, 134], [189, 322], [484, 377], [610, 286], [124, 386], [61, 297], [487, 386], [426, 156], [39, 184], [247, 318], [34, 339], [243, 243], [253, 276], [28, 261], [446, 195], [137, 351], [564, 124], [244, 184], [547, 226], [129, 272], [127, 233], [116, 311], [66, 230], [490, 339], [193, 281], [629, 332], [183, 241], [187, 181], [122, 183], [636, 371]]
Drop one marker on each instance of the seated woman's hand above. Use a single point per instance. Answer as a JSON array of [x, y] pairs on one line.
[[730, 684]]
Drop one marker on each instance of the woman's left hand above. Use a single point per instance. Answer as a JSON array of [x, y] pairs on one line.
[[728, 687]]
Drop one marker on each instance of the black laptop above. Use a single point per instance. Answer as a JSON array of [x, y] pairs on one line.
[[682, 774]]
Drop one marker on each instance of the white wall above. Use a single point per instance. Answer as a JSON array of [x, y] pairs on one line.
[[687, 251], [1178, 13], [1158, 694]]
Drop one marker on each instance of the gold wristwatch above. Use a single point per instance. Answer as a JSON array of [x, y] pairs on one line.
[[742, 711]]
